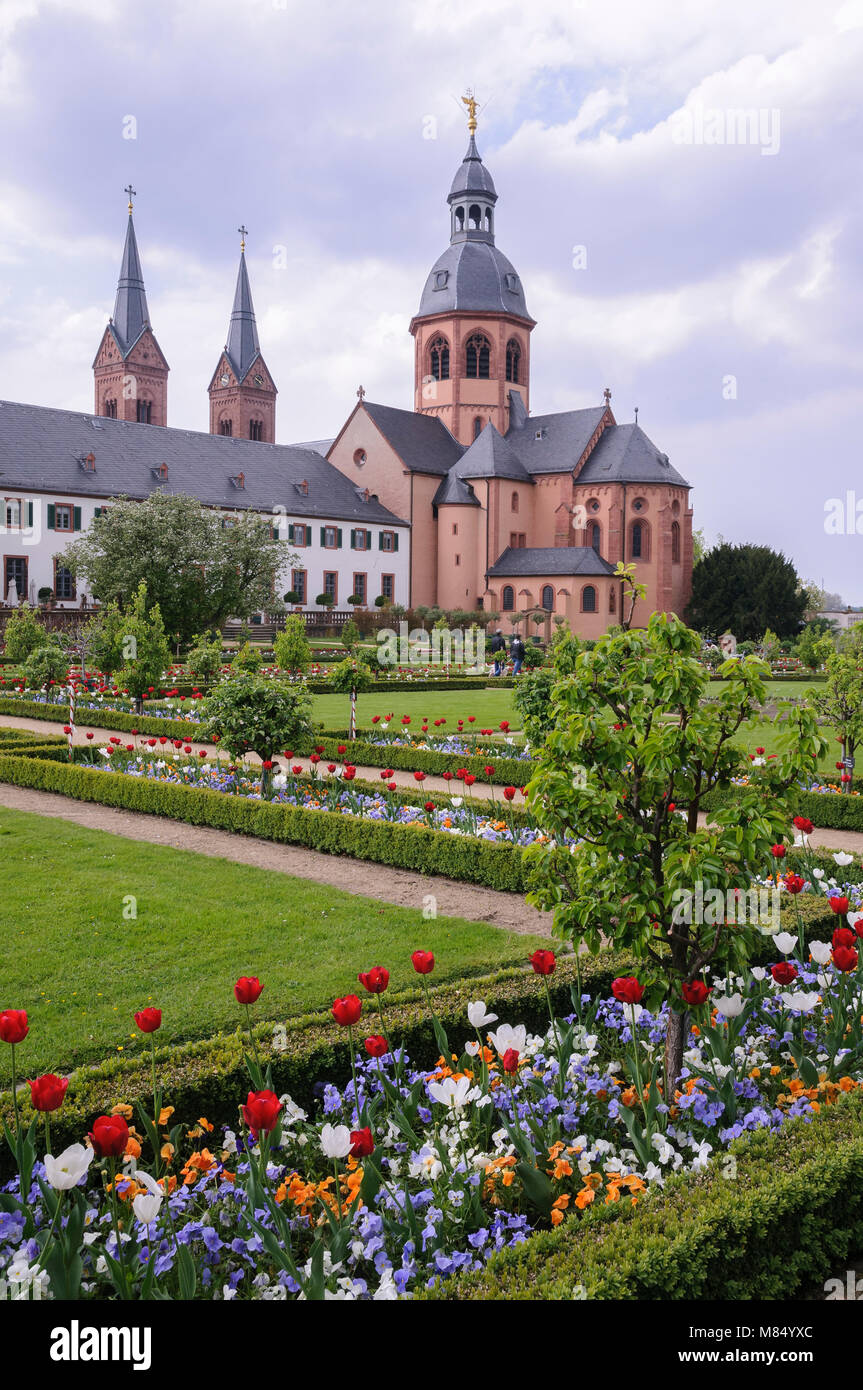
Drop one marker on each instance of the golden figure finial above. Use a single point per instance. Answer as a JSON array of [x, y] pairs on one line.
[[471, 104]]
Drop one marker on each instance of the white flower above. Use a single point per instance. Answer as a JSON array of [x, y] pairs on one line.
[[147, 1208], [817, 873], [455, 1095], [508, 1037], [280, 781], [800, 1001], [427, 1164], [852, 918], [456, 801], [729, 1005], [785, 942], [477, 1015], [758, 973], [386, 1290], [471, 1048], [335, 1141], [67, 1170], [842, 859], [821, 951], [632, 1013]]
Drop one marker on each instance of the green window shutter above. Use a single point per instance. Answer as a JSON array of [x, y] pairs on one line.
[[291, 534], [30, 514], [368, 540], [51, 516], [77, 519], [97, 511], [353, 539], [323, 535], [380, 540], [339, 537], [395, 540]]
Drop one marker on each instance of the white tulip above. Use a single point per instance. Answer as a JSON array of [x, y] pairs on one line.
[[785, 942], [147, 1207], [632, 1013], [842, 859], [800, 1001], [456, 801], [280, 781], [821, 951], [477, 1015], [455, 1095], [817, 873], [852, 918], [67, 1170], [508, 1037], [335, 1141], [730, 1006], [759, 973], [471, 1048]]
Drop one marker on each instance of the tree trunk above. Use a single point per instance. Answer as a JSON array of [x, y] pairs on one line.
[[675, 1039]]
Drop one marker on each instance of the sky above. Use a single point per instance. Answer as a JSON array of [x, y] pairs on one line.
[[679, 188]]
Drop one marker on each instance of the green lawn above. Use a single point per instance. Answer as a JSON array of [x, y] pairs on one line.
[[81, 970], [489, 707]]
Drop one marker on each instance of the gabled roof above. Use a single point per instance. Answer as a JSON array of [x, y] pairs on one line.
[[422, 442], [455, 492], [242, 346], [624, 454], [491, 456], [548, 560], [41, 451], [555, 443], [131, 315]]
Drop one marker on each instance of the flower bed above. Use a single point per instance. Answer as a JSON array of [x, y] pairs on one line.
[[409, 1174]]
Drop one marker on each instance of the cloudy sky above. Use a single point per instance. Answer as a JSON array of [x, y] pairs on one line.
[[705, 267]]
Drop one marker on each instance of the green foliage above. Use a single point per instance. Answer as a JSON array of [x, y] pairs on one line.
[[24, 633], [205, 659], [246, 658], [814, 646], [291, 647], [143, 646], [46, 663], [198, 571], [351, 675], [745, 589], [249, 714], [350, 636]]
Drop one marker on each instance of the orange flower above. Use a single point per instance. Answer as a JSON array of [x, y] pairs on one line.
[[562, 1202], [165, 1114], [556, 1218], [629, 1097], [133, 1148], [562, 1169], [167, 1152], [125, 1110], [584, 1198]]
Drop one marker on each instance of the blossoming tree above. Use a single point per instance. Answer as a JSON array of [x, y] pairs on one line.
[[633, 755]]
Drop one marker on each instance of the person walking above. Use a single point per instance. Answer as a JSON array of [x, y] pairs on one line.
[[497, 647], [516, 651]]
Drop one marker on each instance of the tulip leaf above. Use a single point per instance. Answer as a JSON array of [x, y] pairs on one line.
[[537, 1187]]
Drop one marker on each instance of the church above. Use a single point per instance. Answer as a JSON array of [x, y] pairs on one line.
[[467, 501]]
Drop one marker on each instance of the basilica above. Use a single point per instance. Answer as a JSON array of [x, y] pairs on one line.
[[468, 501]]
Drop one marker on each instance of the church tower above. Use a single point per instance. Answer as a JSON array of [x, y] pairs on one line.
[[242, 392], [472, 331], [130, 371]]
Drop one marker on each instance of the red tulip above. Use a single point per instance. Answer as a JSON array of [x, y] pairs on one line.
[[489, 771], [374, 980], [784, 973], [627, 989], [261, 1112], [509, 793], [419, 776], [543, 962], [47, 1092], [391, 786], [376, 1046], [13, 1025], [148, 1020], [695, 992], [109, 1136], [247, 989], [802, 824], [297, 769], [347, 1011], [794, 883], [429, 806], [510, 1060], [349, 773], [779, 851], [845, 958], [423, 962], [843, 936], [362, 1143], [839, 905]]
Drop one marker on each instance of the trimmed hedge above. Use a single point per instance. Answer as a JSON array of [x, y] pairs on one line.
[[827, 810], [508, 772], [209, 1077], [400, 683], [412, 847], [102, 719], [792, 1213]]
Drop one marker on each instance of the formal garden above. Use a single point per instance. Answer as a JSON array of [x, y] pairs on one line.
[[225, 1082]]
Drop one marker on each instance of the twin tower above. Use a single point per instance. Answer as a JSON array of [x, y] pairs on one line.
[[131, 372]]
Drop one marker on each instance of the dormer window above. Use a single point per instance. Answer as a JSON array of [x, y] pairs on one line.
[[239, 481], [511, 282], [88, 463], [539, 434], [302, 487], [441, 278], [160, 473]]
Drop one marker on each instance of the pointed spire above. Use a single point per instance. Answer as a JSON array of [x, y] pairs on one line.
[[242, 346], [131, 315]]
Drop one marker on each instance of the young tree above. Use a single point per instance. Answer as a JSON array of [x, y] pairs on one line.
[[350, 636], [251, 714], [291, 646], [814, 645], [24, 633], [632, 755], [199, 571], [354, 676], [143, 647], [744, 589], [840, 699], [46, 664], [205, 659]]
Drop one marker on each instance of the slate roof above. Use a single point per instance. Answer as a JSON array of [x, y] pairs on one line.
[[41, 449], [422, 442], [131, 315], [242, 346], [564, 438], [491, 456], [624, 454], [472, 275], [454, 490], [472, 176], [549, 559]]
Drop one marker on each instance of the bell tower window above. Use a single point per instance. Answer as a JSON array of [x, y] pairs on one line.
[[478, 357], [226, 427], [439, 359], [513, 355]]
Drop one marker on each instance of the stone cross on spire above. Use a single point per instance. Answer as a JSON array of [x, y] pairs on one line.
[[361, 391], [131, 192], [244, 232]]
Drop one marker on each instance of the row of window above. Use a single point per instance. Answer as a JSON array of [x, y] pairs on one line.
[[143, 411], [360, 590], [61, 516], [16, 571], [589, 598], [477, 358], [331, 537], [256, 429]]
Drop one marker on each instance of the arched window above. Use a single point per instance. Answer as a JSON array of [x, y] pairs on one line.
[[459, 219], [514, 502], [612, 601], [639, 541], [488, 224], [477, 426], [508, 598], [675, 543], [439, 359], [547, 599], [144, 411], [226, 427], [588, 599], [513, 357], [111, 410], [478, 356], [474, 217], [256, 429], [595, 535]]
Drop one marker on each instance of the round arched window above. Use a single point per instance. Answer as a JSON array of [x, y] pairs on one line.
[[547, 599], [508, 598], [588, 599]]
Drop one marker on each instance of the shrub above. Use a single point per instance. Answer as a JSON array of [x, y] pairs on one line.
[[24, 633], [291, 646], [46, 664]]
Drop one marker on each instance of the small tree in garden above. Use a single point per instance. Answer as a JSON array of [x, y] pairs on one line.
[[45, 664], [24, 633], [205, 659], [354, 676], [840, 699], [251, 714], [350, 636], [143, 647], [291, 646], [626, 767], [814, 646]]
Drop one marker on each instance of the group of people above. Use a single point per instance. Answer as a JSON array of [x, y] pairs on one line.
[[497, 648]]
